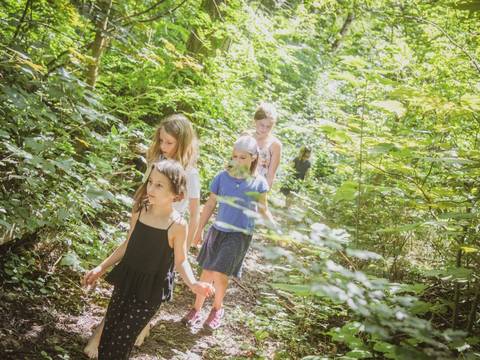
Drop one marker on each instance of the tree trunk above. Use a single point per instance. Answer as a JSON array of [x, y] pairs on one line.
[[343, 30], [194, 43], [473, 308], [456, 297], [99, 43]]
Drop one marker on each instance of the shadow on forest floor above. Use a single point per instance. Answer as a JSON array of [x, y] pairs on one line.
[[57, 327]]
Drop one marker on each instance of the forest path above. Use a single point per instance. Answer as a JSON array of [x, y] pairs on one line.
[[52, 330]]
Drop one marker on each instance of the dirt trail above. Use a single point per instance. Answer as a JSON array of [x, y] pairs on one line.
[[30, 330]]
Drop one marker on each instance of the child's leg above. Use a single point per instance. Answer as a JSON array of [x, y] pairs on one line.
[[192, 318], [220, 283], [143, 335], [214, 319], [91, 349], [207, 276], [122, 328]]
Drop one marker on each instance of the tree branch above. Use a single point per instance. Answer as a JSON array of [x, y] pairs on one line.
[[471, 57], [158, 16], [141, 12], [28, 4]]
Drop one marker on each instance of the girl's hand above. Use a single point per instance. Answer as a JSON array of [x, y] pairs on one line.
[[203, 289], [92, 276], [198, 238]]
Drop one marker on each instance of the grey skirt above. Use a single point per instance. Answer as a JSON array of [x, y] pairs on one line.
[[224, 252]]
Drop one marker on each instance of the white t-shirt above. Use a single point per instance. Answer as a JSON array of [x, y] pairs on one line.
[[192, 191]]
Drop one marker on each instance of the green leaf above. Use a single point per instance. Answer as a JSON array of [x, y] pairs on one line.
[[457, 274], [417, 288], [336, 133], [468, 5], [346, 76], [126, 200], [383, 148], [72, 260], [359, 354], [449, 160], [354, 61], [451, 273], [390, 106], [469, 249], [300, 290], [4, 134], [383, 347], [363, 254], [347, 191], [420, 307], [94, 193]]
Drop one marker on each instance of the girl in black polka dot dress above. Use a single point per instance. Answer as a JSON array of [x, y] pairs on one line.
[[143, 278]]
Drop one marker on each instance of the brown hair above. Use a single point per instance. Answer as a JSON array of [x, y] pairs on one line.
[[175, 173], [303, 151], [178, 126], [265, 111]]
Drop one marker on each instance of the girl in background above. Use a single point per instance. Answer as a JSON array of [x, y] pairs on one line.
[[301, 164], [270, 148], [175, 139]]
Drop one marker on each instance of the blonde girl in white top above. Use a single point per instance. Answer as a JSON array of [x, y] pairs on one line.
[[175, 139]]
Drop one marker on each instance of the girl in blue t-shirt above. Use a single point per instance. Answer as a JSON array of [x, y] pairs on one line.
[[239, 189]]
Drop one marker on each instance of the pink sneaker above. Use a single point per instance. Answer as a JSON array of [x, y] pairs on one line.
[[214, 319], [192, 318]]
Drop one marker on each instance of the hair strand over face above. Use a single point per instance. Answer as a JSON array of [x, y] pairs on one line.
[[174, 172]]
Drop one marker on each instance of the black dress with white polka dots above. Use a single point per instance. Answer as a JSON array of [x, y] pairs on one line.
[[142, 280]]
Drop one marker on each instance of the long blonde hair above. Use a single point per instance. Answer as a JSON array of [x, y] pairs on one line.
[[175, 173], [178, 126]]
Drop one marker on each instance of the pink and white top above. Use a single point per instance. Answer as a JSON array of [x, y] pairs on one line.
[[264, 158]]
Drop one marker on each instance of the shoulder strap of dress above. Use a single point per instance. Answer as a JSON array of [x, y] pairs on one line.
[[173, 222]]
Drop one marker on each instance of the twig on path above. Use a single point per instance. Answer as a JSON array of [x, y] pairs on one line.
[[248, 291], [348, 260], [289, 305], [54, 266]]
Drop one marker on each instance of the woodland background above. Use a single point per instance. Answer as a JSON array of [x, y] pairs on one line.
[[379, 256]]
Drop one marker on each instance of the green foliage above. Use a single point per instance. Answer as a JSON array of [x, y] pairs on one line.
[[323, 165], [379, 311], [388, 103]]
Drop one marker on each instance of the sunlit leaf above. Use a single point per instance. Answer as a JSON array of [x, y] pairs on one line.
[[391, 106]]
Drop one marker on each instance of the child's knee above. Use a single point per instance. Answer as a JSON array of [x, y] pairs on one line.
[[206, 275], [220, 278]]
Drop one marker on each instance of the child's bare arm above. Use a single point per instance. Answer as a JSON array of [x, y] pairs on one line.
[[178, 232], [194, 211], [92, 276], [263, 209], [276, 148], [207, 212]]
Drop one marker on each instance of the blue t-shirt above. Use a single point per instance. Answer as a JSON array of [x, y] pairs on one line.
[[237, 198]]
